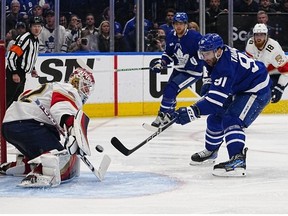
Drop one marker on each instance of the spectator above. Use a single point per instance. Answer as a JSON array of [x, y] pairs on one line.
[[212, 13], [168, 25], [156, 43], [267, 6], [63, 21], [246, 6], [284, 6], [262, 17], [30, 5], [73, 31], [10, 38], [37, 11], [14, 16], [90, 24], [87, 42], [130, 24], [9, 7], [129, 31], [47, 36], [104, 37], [21, 28], [117, 25], [194, 26], [188, 6]]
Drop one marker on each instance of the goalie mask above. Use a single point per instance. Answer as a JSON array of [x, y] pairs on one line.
[[83, 81]]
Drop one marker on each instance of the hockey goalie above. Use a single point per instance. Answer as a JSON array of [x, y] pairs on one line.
[[44, 158]]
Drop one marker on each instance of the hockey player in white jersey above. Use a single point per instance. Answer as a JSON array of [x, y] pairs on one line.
[[27, 128], [267, 50]]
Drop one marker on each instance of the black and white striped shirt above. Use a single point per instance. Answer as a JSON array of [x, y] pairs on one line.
[[23, 54]]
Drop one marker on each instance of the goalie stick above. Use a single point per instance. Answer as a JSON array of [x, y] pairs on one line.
[[120, 147], [100, 173]]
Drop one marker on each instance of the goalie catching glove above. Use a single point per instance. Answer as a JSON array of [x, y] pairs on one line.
[[187, 114]]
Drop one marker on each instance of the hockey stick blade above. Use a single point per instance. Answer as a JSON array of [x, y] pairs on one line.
[[149, 127], [120, 147], [100, 173]]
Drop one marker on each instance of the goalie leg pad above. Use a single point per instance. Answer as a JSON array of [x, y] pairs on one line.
[[50, 167], [46, 174]]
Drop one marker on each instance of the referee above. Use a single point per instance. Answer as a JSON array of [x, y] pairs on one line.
[[21, 59]]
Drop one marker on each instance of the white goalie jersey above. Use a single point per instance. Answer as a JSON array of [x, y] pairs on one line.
[[58, 98]]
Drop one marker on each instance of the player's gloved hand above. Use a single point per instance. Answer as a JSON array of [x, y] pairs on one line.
[[205, 87], [187, 114], [277, 92], [156, 67], [70, 143]]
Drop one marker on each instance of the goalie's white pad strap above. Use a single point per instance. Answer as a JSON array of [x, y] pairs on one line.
[[81, 122]]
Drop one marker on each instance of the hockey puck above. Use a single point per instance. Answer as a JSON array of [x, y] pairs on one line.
[[99, 148]]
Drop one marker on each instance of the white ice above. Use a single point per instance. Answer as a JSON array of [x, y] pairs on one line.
[[157, 178]]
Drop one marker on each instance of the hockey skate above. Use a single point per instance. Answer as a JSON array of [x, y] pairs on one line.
[[18, 168], [236, 166], [204, 157]]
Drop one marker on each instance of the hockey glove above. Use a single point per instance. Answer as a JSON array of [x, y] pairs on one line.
[[156, 67], [187, 114], [70, 143], [277, 92], [206, 85]]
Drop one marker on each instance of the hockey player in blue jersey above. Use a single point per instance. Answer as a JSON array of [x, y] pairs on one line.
[[240, 89], [181, 49]]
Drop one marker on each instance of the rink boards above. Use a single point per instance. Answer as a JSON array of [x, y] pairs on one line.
[[123, 93]]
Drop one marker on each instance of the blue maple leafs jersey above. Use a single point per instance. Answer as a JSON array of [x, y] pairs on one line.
[[183, 51], [235, 73]]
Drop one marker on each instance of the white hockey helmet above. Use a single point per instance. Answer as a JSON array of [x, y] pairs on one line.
[[260, 28], [83, 81]]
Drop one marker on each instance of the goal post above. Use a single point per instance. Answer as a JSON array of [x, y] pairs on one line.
[[3, 148]]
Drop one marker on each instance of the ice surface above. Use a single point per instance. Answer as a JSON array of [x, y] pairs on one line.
[[157, 178]]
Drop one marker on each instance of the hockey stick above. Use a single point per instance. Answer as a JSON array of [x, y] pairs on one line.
[[120, 147], [83, 65], [100, 173]]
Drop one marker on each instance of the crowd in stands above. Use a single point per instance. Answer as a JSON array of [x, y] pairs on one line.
[[84, 26]]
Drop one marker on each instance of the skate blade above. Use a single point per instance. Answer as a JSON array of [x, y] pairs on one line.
[[34, 185], [203, 163], [238, 172]]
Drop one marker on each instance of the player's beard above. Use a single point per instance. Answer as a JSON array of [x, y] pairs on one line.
[[211, 62], [180, 32], [259, 43]]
